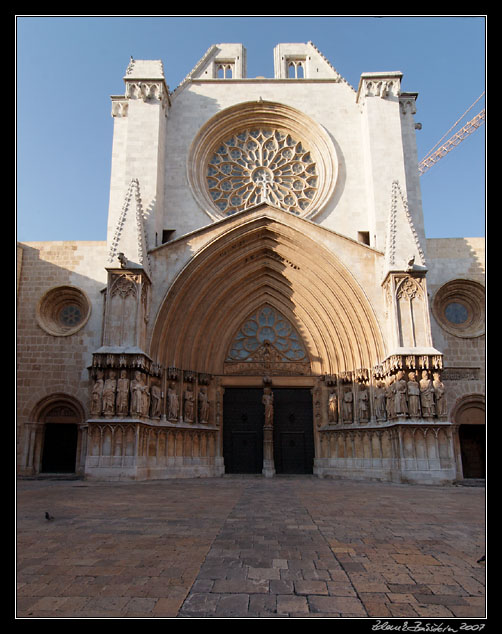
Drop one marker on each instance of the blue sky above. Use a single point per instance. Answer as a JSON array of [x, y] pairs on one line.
[[68, 67]]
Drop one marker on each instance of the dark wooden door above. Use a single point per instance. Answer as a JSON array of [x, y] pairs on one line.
[[472, 447], [293, 431], [243, 419], [60, 448]]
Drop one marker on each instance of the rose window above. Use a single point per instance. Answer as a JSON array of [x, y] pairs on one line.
[[267, 327], [262, 165]]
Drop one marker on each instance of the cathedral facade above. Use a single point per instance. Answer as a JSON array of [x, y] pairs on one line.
[[266, 300]]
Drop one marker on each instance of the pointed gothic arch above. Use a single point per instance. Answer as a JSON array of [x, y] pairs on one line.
[[265, 259]]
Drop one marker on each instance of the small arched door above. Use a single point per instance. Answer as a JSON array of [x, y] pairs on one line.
[[60, 440], [471, 433], [472, 450]]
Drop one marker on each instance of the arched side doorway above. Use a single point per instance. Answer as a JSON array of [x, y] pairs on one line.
[[469, 416], [56, 441], [59, 453]]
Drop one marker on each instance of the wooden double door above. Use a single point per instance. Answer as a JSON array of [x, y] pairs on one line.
[[293, 437]]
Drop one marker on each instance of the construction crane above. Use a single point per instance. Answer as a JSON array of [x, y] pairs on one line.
[[437, 154]]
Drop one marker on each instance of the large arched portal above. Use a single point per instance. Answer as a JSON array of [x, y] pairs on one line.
[[264, 307], [266, 261]]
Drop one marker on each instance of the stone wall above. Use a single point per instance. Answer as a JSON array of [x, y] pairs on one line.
[[49, 364]]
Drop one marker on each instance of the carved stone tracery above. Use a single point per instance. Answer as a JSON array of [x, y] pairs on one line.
[[262, 164], [267, 343]]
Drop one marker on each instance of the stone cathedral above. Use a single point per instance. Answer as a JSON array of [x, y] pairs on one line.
[[266, 300]]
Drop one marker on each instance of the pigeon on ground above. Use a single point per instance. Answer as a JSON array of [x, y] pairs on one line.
[[481, 559], [48, 516]]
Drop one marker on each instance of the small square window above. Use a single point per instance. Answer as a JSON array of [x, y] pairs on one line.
[[167, 234], [364, 237]]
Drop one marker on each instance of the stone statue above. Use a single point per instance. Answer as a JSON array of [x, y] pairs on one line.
[[363, 405], [333, 407], [380, 410], [139, 394], [122, 403], [413, 396], [439, 392], [109, 394], [268, 401], [97, 395], [389, 398], [426, 395], [203, 406], [189, 404], [348, 414], [173, 403], [400, 401], [156, 397]]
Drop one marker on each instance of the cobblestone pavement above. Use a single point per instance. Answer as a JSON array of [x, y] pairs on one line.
[[249, 547]]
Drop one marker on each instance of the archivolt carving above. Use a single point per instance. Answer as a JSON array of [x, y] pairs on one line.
[[201, 314]]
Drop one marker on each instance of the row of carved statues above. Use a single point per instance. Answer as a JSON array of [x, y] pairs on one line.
[[399, 398], [112, 396]]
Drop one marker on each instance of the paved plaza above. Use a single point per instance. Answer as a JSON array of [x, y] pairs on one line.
[[249, 547]]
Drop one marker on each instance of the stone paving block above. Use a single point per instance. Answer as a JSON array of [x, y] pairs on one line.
[[340, 589], [263, 573], [232, 606], [347, 605], [310, 587], [200, 603], [262, 605], [290, 603]]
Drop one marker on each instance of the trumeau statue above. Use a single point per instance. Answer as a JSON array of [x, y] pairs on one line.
[[268, 401]]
